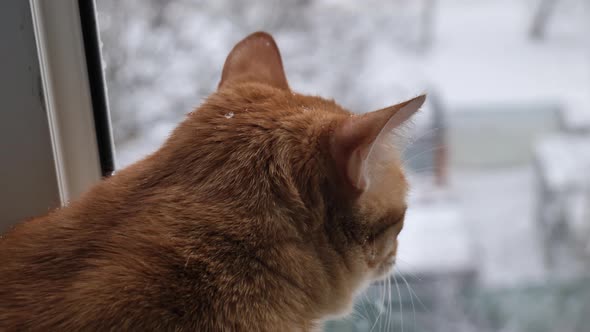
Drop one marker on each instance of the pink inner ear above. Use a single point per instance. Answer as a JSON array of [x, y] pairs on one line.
[[356, 168], [354, 139]]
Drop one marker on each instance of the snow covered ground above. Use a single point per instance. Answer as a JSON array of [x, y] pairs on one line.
[[483, 55], [499, 206]]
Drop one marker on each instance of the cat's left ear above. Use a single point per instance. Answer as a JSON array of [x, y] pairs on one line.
[[355, 139], [255, 59]]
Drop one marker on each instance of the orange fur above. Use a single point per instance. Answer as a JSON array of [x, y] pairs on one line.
[[244, 222]]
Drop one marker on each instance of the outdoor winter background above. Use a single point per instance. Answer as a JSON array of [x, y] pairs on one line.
[[497, 237]]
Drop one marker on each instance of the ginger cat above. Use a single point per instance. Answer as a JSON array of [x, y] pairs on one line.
[[265, 210]]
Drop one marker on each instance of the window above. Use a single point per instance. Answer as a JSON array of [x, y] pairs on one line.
[[498, 233]]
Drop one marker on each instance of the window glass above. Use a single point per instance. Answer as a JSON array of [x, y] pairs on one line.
[[497, 237]]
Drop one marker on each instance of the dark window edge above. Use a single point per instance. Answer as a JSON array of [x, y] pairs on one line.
[[96, 80]]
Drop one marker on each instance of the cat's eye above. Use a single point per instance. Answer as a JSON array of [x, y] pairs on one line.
[[384, 224]]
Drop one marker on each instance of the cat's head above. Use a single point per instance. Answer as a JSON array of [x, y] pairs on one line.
[[335, 174]]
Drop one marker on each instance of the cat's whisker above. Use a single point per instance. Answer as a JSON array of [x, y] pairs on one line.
[[413, 140], [365, 307], [401, 305], [412, 274], [355, 314], [384, 298], [356, 311], [411, 296], [414, 293], [392, 309], [360, 306], [405, 162], [380, 311], [389, 307], [423, 169], [387, 301]]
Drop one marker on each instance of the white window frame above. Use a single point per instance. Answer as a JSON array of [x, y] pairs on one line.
[[68, 96]]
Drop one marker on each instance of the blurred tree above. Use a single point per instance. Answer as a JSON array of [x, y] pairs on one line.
[[162, 57], [427, 20], [542, 18]]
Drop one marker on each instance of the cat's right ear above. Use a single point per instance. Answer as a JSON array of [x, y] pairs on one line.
[[359, 137], [255, 59]]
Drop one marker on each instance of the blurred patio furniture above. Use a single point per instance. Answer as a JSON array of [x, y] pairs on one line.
[[500, 134], [562, 166]]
